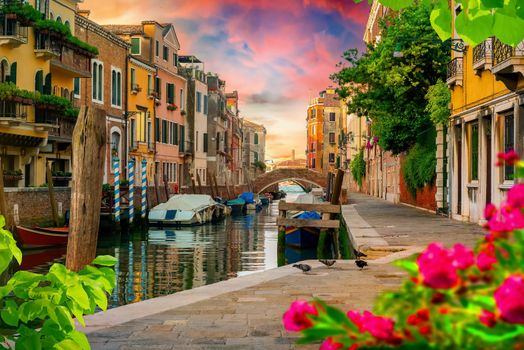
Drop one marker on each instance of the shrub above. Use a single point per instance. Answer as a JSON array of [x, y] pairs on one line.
[[358, 167], [38, 311], [454, 298], [419, 168]]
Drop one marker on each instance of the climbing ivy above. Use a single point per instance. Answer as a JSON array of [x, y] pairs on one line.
[[419, 168], [358, 167]]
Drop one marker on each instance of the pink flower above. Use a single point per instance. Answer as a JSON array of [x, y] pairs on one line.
[[509, 298], [507, 219], [463, 257], [510, 157], [329, 344], [437, 267], [487, 318], [516, 196], [296, 318], [489, 211], [486, 257], [379, 327]]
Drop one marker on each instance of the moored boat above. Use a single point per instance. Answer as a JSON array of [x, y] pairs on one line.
[[237, 205], [264, 199], [38, 237], [252, 200], [184, 210], [303, 237]]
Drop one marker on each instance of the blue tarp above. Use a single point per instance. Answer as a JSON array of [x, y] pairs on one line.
[[309, 215], [248, 197]]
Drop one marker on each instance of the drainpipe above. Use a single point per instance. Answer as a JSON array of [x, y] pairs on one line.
[[126, 113], [449, 182]]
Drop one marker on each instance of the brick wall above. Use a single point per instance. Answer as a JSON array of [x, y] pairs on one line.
[[31, 205], [425, 197]]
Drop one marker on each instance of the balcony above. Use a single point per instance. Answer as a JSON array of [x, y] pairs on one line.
[[12, 112], [455, 74], [47, 46], [186, 149], [71, 63], [61, 126], [508, 63], [483, 56], [12, 33]]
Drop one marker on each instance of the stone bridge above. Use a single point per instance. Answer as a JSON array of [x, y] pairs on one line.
[[300, 176]]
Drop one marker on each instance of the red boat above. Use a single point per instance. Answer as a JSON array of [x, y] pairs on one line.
[[37, 237]]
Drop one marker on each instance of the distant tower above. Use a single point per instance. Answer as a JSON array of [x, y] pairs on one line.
[[293, 154]]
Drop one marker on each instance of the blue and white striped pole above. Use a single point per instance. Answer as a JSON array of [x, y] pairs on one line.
[[116, 168], [131, 189], [143, 205]]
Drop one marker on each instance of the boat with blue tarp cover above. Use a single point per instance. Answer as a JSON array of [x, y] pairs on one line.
[[238, 206], [252, 200], [303, 237]]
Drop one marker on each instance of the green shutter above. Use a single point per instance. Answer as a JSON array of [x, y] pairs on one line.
[[39, 81], [182, 138], [176, 134], [47, 85], [12, 76], [135, 46], [205, 142]]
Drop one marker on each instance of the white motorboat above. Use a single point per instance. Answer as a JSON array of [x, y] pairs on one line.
[[185, 210]]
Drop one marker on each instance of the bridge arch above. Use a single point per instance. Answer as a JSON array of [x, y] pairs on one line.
[[270, 178]]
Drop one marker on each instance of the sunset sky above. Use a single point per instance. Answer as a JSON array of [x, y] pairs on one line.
[[275, 53]]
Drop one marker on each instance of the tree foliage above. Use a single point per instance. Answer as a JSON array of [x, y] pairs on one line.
[[358, 167], [476, 21], [390, 90], [438, 98]]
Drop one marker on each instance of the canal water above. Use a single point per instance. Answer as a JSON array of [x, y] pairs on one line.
[[158, 262]]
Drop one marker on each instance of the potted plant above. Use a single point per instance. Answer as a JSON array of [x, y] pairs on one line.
[[12, 176], [172, 107]]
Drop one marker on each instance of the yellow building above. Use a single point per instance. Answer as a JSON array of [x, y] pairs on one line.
[[486, 84], [141, 114], [39, 57], [315, 133]]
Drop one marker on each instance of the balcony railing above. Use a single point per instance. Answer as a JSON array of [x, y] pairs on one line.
[[13, 110], [46, 46], [63, 127], [11, 32], [73, 62], [483, 55], [186, 148], [455, 71], [508, 63]]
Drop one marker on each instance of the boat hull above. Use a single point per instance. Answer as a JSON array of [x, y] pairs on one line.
[[304, 237], [238, 209], [38, 238]]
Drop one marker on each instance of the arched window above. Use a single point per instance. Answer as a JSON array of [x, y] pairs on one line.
[[59, 19], [12, 74], [47, 86], [51, 16], [65, 93], [67, 24], [4, 71], [115, 144], [39, 81]]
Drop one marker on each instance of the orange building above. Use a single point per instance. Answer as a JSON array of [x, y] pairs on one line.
[[315, 133]]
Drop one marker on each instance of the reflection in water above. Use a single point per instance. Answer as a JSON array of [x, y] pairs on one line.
[[160, 262]]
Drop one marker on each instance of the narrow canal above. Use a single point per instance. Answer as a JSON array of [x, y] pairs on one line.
[[158, 262]]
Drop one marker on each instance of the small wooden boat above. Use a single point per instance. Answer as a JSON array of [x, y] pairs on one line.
[[264, 200], [237, 205], [303, 237], [185, 210], [252, 200], [37, 237], [37, 257]]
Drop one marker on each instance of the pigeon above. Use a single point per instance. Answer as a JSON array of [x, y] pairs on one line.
[[304, 267], [361, 263], [358, 253], [327, 262]]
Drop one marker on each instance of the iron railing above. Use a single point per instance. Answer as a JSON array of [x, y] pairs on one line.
[[12, 28], [483, 51], [47, 43], [502, 52], [455, 67], [13, 110]]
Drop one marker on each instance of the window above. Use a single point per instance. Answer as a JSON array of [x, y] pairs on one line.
[[67, 24], [157, 48], [76, 89], [198, 101], [132, 79], [115, 144], [313, 161], [332, 157], [331, 137], [182, 140], [135, 46], [164, 131], [255, 156], [39, 81], [175, 131], [205, 141], [196, 142], [116, 87], [313, 113], [218, 141], [170, 91], [149, 85], [132, 138], [158, 87], [331, 116], [157, 130], [175, 59], [256, 139], [166, 53], [509, 144], [59, 19], [474, 152], [205, 104], [181, 99], [98, 81], [4, 71], [12, 73]]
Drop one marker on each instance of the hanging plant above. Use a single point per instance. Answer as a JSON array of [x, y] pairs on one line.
[[172, 107]]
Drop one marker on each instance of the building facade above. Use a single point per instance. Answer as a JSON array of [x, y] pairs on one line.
[[37, 72], [236, 139], [315, 133], [254, 149], [106, 89], [334, 131], [487, 116]]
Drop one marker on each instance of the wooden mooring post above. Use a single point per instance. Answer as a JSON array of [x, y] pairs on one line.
[[210, 185], [89, 139], [52, 198], [4, 209], [219, 194]]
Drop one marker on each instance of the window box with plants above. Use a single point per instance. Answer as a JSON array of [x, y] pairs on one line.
[[135, 89], [183, 113], [24, 13], [172, 107], [12, 176], [53, 103], [9, 92], [61, 175]]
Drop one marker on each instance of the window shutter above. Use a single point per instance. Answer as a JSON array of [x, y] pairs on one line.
[[176, 134], [39, 82], [205, 142], [47, 85], [12, 76]]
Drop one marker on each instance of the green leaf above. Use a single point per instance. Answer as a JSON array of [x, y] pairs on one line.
[[486, 335], [508, 27], [493, 3], [81, 339], [104, 260], [10, 313], [64, 318], [409, 266], [78, 295], [68, 344], [97, 294], [486, 302], [58, 273], [441, 20], [475, 26], [396, 4]]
